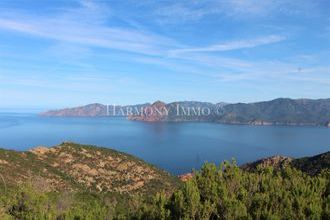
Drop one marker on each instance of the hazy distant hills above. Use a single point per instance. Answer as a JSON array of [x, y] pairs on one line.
[[282, 111], [91, 110], [279, 111]]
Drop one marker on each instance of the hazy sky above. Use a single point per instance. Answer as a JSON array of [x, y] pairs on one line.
[[65, 53]]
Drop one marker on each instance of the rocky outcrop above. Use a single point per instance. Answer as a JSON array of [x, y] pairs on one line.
[[260, 122], [155, 112], [186, 177], [311, 165], [274, 161]]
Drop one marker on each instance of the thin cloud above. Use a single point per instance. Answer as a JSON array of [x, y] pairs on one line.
[[111, 38], [86, 26], [233, 45], [68, 27], [188, 10], [278, 71]]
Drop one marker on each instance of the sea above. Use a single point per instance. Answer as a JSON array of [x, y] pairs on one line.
[[178, 147]]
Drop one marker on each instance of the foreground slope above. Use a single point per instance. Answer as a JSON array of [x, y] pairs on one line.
[[75, 167], [73, 181]]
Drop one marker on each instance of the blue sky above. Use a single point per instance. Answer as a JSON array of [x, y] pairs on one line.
[[66, 53]]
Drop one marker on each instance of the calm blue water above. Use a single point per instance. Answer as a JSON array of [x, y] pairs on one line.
[[176, 147]]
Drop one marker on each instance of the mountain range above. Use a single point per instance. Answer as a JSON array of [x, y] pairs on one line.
[[281, 111]]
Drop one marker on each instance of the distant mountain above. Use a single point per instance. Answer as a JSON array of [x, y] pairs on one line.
[[178, 111], [90, 110], [280, 111], [158, 111], [94, 110]]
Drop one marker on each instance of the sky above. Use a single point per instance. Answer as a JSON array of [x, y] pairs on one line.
[[56, 53]]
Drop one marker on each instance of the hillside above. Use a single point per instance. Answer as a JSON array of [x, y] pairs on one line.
[[275, 112], [75, 167], [311, 165], [72, 181]]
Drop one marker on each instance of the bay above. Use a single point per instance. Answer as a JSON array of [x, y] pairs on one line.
[[177, 147]]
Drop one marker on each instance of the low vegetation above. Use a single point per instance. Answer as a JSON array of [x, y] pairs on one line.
[[228, 192], [215, 192], [75, 167]]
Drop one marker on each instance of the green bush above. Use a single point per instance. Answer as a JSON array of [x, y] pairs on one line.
[[224, 192], [228, 192]]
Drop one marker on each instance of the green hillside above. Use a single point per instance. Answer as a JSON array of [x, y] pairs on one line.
[[75, 167], [72, 181]]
